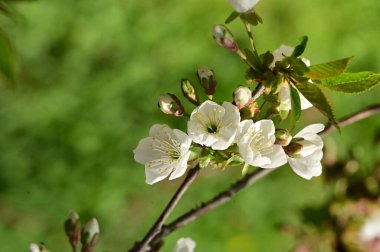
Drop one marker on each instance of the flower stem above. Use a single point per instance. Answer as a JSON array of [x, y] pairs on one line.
[[157, 226], [246, 181]]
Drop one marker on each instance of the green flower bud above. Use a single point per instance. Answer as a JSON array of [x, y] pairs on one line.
[[189, 92], [242, 96], [170, 104], [283, 137], [207, 80], [224, 37]]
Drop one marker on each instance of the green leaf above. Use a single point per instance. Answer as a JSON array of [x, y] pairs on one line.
[[296, 107], [351, 82], [266, 59], [6, 58], [231, 17], [298, 51], [329, 69], [318, 99]]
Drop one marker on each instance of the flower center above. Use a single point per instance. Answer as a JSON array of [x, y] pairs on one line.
[[212, 128]]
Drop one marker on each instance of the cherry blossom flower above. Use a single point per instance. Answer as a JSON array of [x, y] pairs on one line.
[[165, 152], [213, 125], [257, 146], [242, 6], [305, 152], [284, 93], [184, 245]]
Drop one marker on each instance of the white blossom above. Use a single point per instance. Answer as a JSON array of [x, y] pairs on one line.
[[242, 6], [184, 245], [371, 228], [284, 93], [213, 125], [165, 152], [242, 96], [256, 144], [306, 161]]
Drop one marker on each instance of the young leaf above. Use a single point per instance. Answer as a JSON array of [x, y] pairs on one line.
[[231, 17], [329, 69], [296, 107], [298, 51], [6, 58], [318, 99], [352, 82]]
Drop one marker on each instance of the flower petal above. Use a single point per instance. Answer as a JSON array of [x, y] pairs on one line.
[[157, 173], [277, 157], [313, 128], [181, 166], [305, 171], [184, 245]]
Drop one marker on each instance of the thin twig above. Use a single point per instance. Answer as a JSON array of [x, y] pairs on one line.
[[354, 118], [215, 202], [157, 226], [248, 180]]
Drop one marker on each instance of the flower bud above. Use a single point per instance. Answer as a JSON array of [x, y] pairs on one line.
[[170, 104], [283, 137], [33, 247], [189, 92], [90, 235], [242, 96], [72, 228], [207, 80], [224, 37]]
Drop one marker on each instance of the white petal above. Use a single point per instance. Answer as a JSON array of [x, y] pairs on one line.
[[267, 128], [313, 128], [305, 104], [157, 173], [242, 6], [277, 157], [184, 245], [284, 96], [181, 167], [144, 153], [279, 53], [305, 171]]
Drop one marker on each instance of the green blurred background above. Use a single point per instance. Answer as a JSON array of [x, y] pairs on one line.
[[88, 76]]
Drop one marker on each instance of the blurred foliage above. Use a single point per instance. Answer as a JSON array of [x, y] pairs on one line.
[[88, 74]]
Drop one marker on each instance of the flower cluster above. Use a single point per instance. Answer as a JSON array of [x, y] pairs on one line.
[[240, 132], [219, 130]]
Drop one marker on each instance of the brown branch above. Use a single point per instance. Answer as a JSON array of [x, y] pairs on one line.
[[157, 226], [248, 180], [363, 114]]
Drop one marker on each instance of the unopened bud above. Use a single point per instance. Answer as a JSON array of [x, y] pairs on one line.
[[207, 80], [224, 37], [170, 104], [283, 137], [242, 96], [72, 228], [90, 235], [249, 111], [33, 247], [189, 92]]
